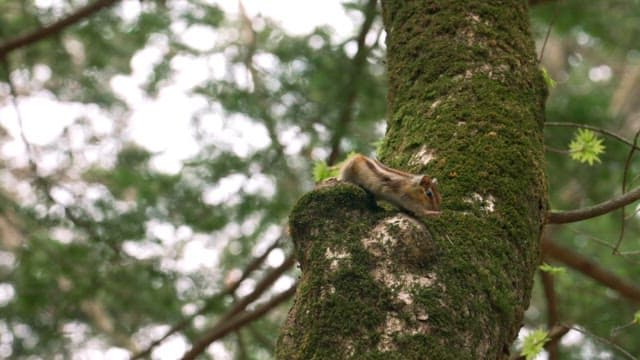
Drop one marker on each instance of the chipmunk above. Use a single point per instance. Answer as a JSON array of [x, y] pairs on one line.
[[415, 193]]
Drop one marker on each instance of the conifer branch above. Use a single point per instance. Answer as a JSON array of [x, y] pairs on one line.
[[54, 28]]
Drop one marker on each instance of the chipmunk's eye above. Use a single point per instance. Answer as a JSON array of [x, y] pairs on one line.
[[429, 193]]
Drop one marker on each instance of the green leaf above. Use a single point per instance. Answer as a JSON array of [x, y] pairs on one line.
[[586, 147], [533, 344], [547, 78], [636, 317], [322, 171], [553, 270]]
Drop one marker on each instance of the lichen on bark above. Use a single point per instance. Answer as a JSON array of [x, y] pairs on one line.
[[466, 102]]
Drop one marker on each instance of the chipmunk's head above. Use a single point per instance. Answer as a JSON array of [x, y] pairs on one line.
[[427, 193]]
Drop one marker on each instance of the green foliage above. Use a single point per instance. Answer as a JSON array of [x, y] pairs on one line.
[[636, 317], [547, 78], [533, 343], [322, 171], [586, 147], [553, 270]]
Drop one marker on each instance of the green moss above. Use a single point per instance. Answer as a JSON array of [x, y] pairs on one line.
[[339, 299], [478, 104], [464, 83]]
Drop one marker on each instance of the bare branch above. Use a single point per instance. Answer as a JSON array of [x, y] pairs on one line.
[[230, 317], [552, 312], [236, 322], [589, 268], [539, 2], [260, 288], [556, 150], [563, 217], [252, 266], [56, 27]]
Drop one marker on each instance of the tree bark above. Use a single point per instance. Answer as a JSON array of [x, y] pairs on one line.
[[466, 102]]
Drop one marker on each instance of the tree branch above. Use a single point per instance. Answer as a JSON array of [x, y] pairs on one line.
[[563, 217], [251, 266], [46, 31], [212, 335], [627, 164], [236, 322], [539, 2], [552, 312], [260, 288], [591, 269]]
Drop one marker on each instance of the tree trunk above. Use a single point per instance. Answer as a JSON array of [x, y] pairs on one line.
[[466, 103]]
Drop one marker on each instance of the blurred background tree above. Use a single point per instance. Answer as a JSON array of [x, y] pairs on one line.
[[151, 152]]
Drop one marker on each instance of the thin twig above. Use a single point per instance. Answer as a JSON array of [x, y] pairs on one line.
[[627, 164], [546, 38], [616, 330], [593, 128], [629, 253], [552, 311], [595, 239], [14, 102], [556, 150], [634, 180], [625, 255], [605, 341], [634, 213]]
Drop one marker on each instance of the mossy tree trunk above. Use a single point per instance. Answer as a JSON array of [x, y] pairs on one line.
[[466, 106]]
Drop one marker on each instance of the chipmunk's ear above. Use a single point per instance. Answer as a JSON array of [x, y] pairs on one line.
[[434, 181], [425, 181], [419, 180]]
